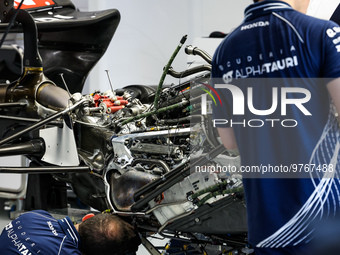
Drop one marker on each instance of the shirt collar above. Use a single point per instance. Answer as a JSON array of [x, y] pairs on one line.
[[70, 231], [265, 7]]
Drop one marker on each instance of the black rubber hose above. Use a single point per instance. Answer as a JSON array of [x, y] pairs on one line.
[[189, 72], [189, 93], [180, 120], [31, 54]]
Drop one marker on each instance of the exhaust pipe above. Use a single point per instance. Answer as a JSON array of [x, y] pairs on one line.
[[33, 84]]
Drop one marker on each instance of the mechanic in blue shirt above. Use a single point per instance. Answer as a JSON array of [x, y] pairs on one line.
[[38, 233], [278, 75]]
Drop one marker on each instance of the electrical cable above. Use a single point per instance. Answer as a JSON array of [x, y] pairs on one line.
[[166, 69], [10, 24]]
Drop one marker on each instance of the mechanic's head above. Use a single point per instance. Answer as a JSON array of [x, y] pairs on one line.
[[107, 234]]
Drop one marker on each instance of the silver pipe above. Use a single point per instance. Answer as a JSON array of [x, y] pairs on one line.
[[168, 204], [191, 50]]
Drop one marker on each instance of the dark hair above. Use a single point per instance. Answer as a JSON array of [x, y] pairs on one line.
[[255, 1], [107, 234]]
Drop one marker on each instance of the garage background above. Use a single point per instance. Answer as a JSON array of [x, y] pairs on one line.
[[148, 33]]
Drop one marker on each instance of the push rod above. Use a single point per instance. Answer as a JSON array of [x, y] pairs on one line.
[[30, 120], [44, 170], [41, 123]]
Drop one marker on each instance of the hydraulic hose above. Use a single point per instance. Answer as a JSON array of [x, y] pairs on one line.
[[189, 72], [166, 69], [219, 192], [164, 109], [191, 93]]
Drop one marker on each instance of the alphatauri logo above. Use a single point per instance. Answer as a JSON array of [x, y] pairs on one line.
[[256, 24]]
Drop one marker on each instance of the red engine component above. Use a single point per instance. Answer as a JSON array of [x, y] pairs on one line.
[[114, 109], [111, 104]]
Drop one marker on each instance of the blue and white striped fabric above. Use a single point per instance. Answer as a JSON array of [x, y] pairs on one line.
[[38, 233], [274, 50]]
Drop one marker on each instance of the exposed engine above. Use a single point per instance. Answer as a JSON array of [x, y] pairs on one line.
[[144, 144], [143, 152]]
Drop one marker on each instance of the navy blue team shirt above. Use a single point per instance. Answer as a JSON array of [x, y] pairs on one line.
[[274, 50], [38, 233]]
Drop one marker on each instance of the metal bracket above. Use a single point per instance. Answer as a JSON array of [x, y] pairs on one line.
[[149, 246]]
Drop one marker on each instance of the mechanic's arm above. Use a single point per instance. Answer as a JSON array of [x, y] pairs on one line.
[[334, 91], [228, 137]]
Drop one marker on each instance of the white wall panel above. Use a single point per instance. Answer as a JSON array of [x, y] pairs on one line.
[[149, 32]]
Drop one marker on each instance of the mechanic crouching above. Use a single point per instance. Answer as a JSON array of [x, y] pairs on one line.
[[38, 233]]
